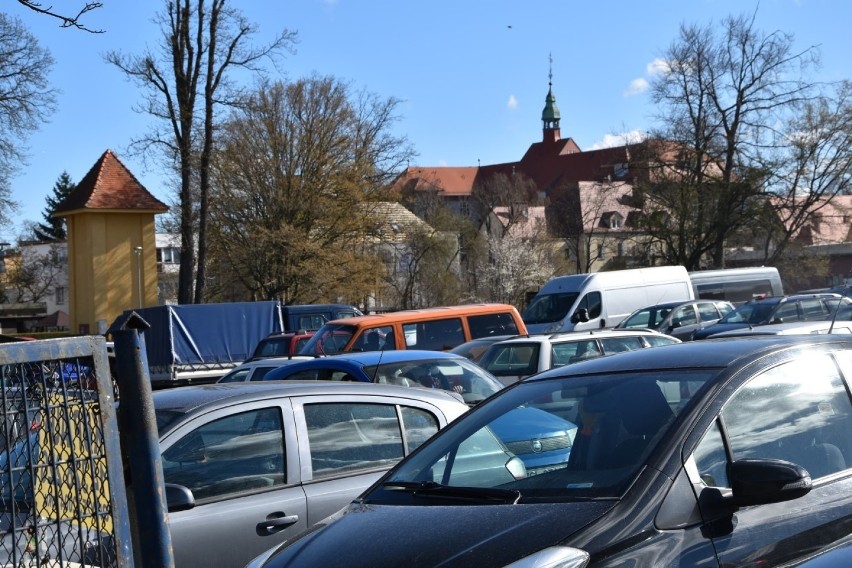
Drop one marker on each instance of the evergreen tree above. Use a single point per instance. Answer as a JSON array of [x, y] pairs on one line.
[[53, 228]]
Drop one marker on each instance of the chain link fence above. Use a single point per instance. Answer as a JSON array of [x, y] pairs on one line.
[[62, 495]]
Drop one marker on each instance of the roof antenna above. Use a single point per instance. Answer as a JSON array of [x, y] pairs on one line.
[[837, 307]]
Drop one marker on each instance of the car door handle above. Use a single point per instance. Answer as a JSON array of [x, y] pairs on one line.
[[276, 522]]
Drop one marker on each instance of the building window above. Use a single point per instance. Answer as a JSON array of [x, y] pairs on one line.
[[601, 252], [168, 255], [60, 292], [464, 208]]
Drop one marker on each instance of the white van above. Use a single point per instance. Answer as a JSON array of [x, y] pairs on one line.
[[603, 299], [736, 285]]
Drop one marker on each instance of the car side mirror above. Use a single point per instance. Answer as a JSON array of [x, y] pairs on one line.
[[777, 320], [178, 498], [580, 316], [762, 481]]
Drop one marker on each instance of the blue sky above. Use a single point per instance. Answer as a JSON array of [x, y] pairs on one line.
[[472, 75]]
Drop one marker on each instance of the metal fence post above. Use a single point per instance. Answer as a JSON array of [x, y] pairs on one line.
[[136, 417]]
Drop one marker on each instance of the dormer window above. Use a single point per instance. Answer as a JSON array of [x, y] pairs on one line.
[[612, 220]]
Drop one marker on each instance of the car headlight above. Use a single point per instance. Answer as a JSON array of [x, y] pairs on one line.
[[554, 557]]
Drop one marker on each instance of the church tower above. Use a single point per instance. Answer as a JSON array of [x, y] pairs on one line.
[[550, 114]]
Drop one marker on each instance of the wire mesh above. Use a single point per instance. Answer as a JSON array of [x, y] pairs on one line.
[[56, 507]]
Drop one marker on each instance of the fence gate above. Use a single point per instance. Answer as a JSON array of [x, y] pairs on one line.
[[62, 494]]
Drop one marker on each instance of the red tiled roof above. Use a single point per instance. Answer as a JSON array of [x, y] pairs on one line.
[[548, 164], [110, 185]]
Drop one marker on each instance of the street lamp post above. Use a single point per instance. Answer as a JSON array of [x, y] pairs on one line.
[[138, 251]]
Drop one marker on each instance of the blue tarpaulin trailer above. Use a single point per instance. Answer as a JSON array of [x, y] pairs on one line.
[[196, 343]]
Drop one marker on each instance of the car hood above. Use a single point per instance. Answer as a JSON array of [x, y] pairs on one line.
[[412, 536]]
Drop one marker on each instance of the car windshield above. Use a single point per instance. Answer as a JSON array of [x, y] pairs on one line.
[[456, 375], [547, 308], [646, 318], [750, 313], [553, 440], [331, 338]]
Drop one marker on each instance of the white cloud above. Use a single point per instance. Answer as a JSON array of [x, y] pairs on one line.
[[512, 103], [657, 67], [612, 140], [653, 69], [637, 87]]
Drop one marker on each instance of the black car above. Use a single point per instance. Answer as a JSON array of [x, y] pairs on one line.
[[712, 453], [776, 309]]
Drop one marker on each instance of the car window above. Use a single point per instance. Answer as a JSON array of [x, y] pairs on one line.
[[708, 312], [592, 303], [437, 335], [582, 350], [491, 324], [779, 415], [236, 376], [351, 437], [655, 340], [684, 315], [621, 344], [260, 372], [311, 321], [512, 359], [419, 425], [303, 375], [787, 311], [237, 453], [813, 309]]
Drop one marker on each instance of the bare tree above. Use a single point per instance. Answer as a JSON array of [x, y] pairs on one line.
[[298, 169], [725, 91], [516, 266], [588, 216], [812, 167], [37, 273], [69, 20], [503, 190], [26, 100], [187, 84]]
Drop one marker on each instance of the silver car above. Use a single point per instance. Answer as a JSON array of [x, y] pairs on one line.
[[248, 465]]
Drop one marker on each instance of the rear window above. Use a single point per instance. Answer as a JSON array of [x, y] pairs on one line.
[[512, 359], [492, 324]]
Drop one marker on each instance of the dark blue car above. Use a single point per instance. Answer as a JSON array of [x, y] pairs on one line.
[[735, 452], [776, 309]]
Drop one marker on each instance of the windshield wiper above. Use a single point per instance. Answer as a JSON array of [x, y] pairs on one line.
[[434, 489]]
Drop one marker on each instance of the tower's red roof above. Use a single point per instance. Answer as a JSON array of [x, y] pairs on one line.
[[110, 185]]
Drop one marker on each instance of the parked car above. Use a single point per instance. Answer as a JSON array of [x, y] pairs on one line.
[[257, 370], [790, 328], [513, 359], [776, 309], [247, 466], [439, 329], [708, 453], [474, 348], [411, 368], [678, 319], [281, 344]]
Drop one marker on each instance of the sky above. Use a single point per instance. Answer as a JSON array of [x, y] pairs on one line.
[[471, 75]]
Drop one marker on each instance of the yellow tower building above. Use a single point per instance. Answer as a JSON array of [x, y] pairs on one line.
[[112, 262]]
